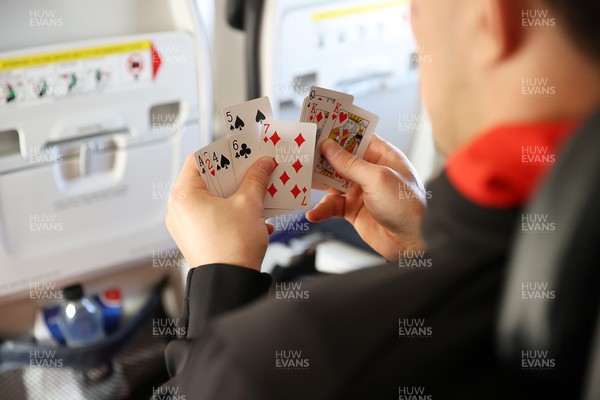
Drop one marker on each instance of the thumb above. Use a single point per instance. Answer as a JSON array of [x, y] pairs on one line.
[[257, 177], [347, 164]]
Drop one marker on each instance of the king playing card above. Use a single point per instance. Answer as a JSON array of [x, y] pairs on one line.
[[318, 113], [352, 129], [322, 95]]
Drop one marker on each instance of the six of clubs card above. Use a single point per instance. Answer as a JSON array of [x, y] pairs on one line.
[[243, 148]]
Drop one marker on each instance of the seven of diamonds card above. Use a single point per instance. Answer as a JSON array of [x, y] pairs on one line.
[[292, 146]]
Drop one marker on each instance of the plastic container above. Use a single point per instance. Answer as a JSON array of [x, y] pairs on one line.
[[80, 321]]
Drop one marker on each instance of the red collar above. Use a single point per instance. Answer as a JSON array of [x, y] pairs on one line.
[[502, 167]]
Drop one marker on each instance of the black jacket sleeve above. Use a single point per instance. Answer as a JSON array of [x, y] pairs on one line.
[[215, 289]]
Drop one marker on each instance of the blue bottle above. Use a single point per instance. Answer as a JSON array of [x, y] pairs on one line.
[[80, 318]]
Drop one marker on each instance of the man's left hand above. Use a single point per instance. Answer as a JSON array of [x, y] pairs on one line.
[[211, 230]]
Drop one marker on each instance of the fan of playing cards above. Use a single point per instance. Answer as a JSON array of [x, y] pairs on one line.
[[294, 146]]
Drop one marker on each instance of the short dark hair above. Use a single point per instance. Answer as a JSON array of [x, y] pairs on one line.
[[582, 19]]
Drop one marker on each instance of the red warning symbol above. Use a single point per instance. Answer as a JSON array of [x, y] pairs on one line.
[[135, 64], [156, 61]]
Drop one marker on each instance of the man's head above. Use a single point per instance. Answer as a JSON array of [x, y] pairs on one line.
[[505, 61]]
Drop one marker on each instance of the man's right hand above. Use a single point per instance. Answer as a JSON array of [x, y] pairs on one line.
[[386, 201]]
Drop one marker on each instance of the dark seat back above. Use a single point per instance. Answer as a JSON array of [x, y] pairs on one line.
[[552, 291]]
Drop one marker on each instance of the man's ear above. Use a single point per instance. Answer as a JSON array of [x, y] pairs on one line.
[[498, 28]]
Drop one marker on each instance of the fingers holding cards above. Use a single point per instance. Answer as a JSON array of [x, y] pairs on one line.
[[294, 146]]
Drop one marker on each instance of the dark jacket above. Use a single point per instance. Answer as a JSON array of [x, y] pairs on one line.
[[422, 328]]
